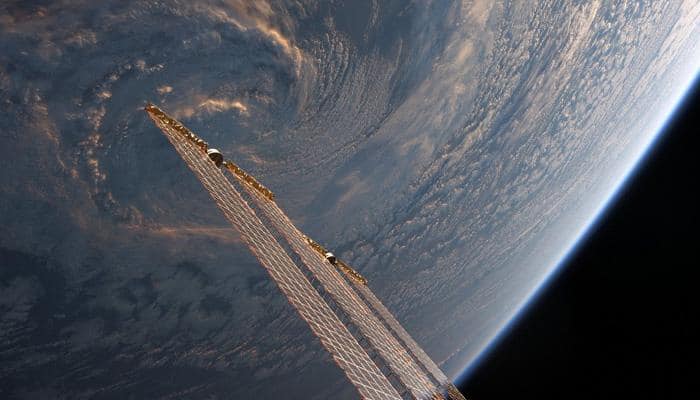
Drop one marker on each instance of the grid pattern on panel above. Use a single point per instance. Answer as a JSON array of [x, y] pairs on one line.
[[387, 346], [401, 333], [335, 337], [453, 393], [408, 341]]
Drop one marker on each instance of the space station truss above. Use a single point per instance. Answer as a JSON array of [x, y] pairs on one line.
[[369, 345]]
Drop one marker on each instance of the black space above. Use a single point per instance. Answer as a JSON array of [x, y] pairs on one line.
[[617, 322]]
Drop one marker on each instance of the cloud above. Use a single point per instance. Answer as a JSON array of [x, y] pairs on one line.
[[259, 16], [223, 234], [82, 38], [165, 89], [218, 105], [210, 106]]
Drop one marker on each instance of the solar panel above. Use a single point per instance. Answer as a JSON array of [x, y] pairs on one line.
[[413, 347], [362, 372], [404, 366]]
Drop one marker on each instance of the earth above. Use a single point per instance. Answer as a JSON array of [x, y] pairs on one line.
[[452, 152]]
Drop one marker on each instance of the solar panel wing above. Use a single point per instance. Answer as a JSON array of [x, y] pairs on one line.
[[335, 337], [408, 341], [411, 375]]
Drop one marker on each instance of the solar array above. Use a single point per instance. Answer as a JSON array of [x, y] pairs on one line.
[[377, 355], [335, 337], [416, 351], [383, 342]]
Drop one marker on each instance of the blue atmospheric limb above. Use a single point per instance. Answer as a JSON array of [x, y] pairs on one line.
[[587, 229]]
